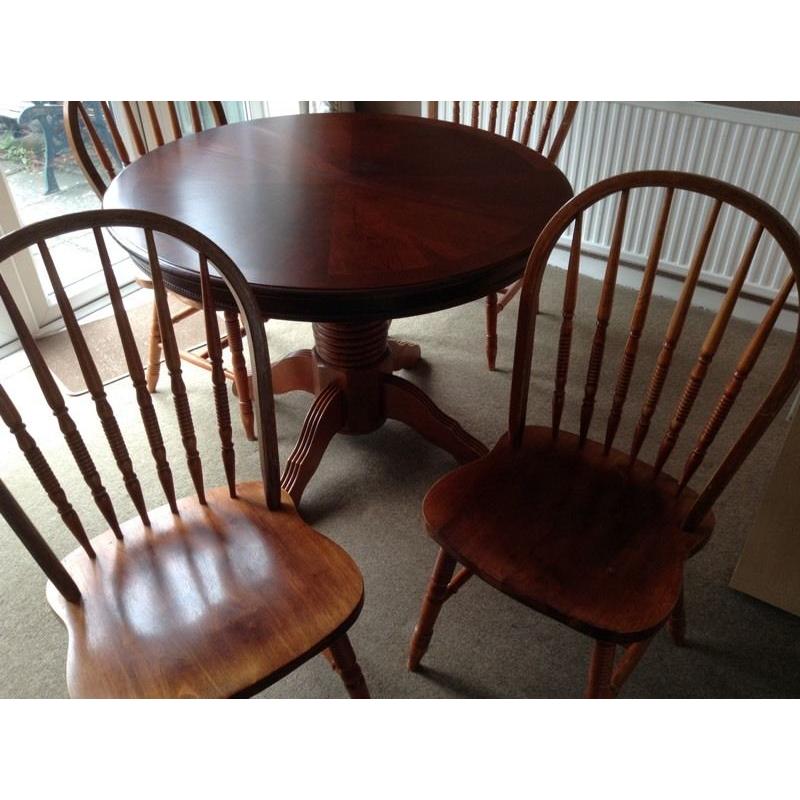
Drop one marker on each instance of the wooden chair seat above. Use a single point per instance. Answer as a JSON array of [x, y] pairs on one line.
[[219, 601], [569, 532]]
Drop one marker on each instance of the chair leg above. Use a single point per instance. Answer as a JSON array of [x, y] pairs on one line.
[[601, 670], [343, 660], [153, 352], [677, 622], [631, 657], [491, 330], [330, 659], [240, 377], [434, 598]]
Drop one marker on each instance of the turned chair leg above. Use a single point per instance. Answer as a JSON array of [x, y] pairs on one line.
[[431, 605], [153, 352], [601, 670], [677, 622], [343, 660], [491, 330], [240, 377]]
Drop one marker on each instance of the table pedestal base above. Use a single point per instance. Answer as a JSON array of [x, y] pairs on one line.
[[350, 372]]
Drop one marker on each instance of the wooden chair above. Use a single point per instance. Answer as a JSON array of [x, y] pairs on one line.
[[572, 527], [549, 141], [215, 594], [100, 160]]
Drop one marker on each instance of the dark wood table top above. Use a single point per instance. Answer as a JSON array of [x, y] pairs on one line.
[[349, 216]]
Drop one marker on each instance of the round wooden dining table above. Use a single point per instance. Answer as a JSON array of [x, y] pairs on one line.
[[349, 221]]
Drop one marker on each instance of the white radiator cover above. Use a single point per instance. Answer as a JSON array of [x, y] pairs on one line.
[[757, 151]]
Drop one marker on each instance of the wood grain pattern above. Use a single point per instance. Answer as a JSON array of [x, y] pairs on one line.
[[606, 553], [217, 602], [348, 217], [587, 534], [214, 595]]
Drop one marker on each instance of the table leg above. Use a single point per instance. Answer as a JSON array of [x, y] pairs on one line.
[[325, 418], [407, 403], [297, 372], [405, 355], [294, 372], [351, 368]]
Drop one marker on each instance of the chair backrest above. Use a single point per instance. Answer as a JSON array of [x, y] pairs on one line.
[[97, 137], [551, 125], [153, 227], [765, 222]]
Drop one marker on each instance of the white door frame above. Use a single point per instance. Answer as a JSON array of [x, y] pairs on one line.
[[20, 276]]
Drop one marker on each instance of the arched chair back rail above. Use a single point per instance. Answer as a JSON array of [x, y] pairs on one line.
[[104, 143], [543, 126], [582, 529], [219, 629], [98, 136]]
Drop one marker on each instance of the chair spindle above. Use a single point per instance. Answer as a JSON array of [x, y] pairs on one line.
[[55, 401], [95, 386], [545, 129], [173, 362], [734, 386], [218, 377], [97, 142], [151, 112], [197, 122], [526, 128], [637, 323], [563, 130], [35, 544], [603, 317], [122, 151], [134, 363], [41, 469], [476, 114], [512, 119], [174, 119], [567, 324], [133, 127], [674, 330], [493, 115]]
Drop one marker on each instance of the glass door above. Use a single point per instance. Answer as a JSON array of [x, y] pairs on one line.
[[40, 180]]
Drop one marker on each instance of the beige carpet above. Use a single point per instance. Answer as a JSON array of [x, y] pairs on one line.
[[367, 494]]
